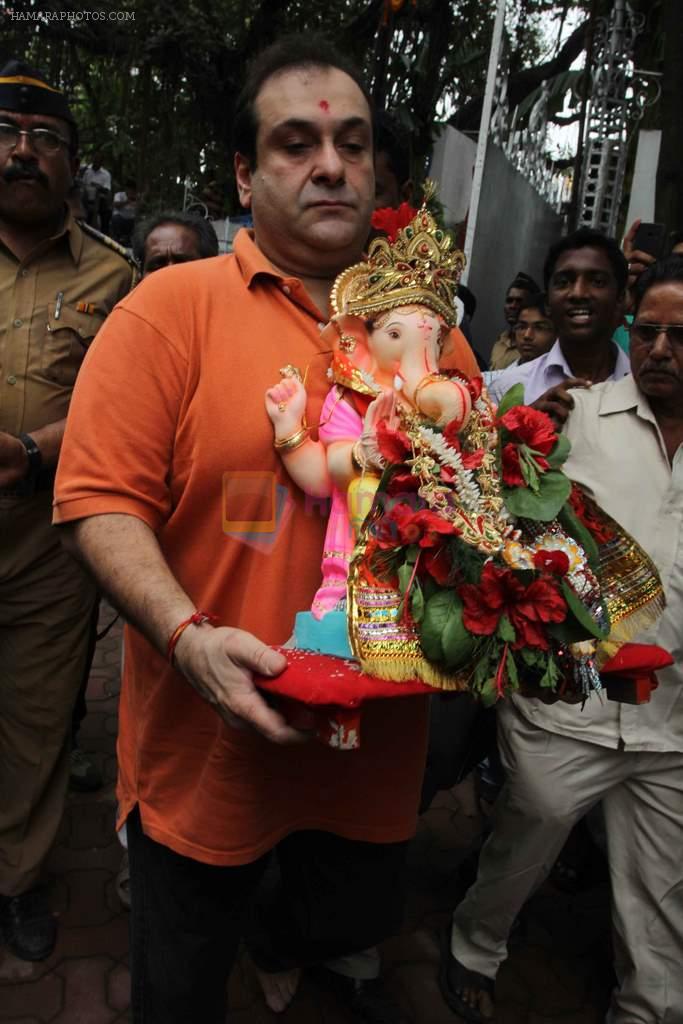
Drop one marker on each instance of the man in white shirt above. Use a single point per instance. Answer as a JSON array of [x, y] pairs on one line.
[[585, 278], [97, 193], [560, 760]]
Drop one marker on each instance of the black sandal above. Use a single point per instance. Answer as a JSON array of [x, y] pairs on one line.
[[453, 976]]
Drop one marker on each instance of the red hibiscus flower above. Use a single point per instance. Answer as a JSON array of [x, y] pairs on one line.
[[402, 526], [500, 593], [437, 563], [542, 603], [530, 427], [390, 221], [394, 445], [554, 562], [402, 485]]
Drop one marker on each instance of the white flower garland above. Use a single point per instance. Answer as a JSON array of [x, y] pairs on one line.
[[465, 484]]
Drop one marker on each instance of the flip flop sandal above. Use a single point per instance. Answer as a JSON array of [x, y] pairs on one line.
[[454, 975]]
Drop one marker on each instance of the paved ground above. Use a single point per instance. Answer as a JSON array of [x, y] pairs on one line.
[[557, 972]]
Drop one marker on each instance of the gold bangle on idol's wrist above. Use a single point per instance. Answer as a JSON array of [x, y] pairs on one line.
[[429, 378], [294, 441]]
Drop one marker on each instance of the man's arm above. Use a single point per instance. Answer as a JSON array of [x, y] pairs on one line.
[[13, 457], [124, 556]]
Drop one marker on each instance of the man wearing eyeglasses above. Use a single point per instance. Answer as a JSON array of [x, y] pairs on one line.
[[58, 282]]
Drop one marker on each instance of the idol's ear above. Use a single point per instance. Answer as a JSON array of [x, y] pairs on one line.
[[348, 337]]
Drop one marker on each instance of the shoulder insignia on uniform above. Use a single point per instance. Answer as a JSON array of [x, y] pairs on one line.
[[99, 236]]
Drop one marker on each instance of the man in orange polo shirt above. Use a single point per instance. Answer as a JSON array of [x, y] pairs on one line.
[[179, 503]]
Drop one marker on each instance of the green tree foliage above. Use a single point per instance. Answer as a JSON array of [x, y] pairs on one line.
[[154, 81]]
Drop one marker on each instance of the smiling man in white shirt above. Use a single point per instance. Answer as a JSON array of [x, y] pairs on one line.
[[585, 277]]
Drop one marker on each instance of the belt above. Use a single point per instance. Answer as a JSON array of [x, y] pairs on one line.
[[44, 481]]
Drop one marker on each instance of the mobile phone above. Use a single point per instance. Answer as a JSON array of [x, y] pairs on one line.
[[651, 238]]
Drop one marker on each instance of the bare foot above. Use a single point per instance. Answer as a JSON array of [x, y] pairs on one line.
[[278, 988]]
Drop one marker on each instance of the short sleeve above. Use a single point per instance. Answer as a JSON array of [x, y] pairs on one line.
[[339, 421], [118, 444]]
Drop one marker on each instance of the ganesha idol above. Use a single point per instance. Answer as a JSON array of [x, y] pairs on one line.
[[442, 566]]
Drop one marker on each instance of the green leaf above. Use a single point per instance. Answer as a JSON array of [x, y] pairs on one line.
[[436, 613], [551, 676], [581, 613], [554, 490], [417, 602], [560, 452], [511, 398], [575, 528], [405, 571], [488, 693], [506, 631], [457, 642], [511, 666]]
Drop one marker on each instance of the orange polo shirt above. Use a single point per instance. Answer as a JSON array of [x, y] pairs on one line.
[[168, 423]]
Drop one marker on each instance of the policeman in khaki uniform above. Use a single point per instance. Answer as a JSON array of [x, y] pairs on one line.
[[58, 282]]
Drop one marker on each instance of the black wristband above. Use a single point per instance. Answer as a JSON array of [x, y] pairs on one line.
[[35, 458]]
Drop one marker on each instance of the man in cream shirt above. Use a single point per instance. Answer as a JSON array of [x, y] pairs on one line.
[[561, 760]]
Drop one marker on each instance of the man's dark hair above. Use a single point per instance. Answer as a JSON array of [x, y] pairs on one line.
[[292, 51], [468, 299], [663, 272], [524, 282], [392, 140], [586, 238], [206, 236], [536, 301]]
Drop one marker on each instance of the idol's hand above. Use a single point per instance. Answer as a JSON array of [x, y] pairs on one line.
[[286, 406]]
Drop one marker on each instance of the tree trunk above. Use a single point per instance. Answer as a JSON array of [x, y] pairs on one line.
[[669, 202]]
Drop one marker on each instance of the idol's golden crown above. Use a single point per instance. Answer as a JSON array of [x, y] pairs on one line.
[[420, 267]]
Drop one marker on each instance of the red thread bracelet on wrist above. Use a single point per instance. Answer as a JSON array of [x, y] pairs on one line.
[[194, 620]]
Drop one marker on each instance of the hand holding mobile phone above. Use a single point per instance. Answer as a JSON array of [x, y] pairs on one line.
[[651, 239]]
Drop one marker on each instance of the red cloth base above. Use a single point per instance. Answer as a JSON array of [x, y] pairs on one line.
[[629, 677], [323, 680], [322, 694]]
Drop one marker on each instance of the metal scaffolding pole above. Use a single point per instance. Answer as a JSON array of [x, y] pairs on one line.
[[482, 142]]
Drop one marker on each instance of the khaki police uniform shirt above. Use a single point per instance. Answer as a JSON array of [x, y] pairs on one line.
[[51, 306]]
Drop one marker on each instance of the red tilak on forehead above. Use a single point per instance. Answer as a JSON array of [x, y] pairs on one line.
[[324, 105]]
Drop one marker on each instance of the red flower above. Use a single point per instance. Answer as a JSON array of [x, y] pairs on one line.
[[512, 474], [542, 603], [391, 221], [554, 562], [512, 471], [438, 564], [451, 435], [584, 511], [474, 386], [394, 445], [530, 427], [402, 526], [402, 484], [484, 603], [499, 593]]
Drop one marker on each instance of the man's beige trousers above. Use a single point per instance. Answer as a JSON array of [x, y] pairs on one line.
[[552, 782]]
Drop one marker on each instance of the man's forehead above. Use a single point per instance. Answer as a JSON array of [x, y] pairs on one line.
[[588, 257], [33, 120], [319, 93]]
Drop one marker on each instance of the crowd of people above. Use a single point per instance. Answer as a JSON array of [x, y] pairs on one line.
[[112, 482]]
